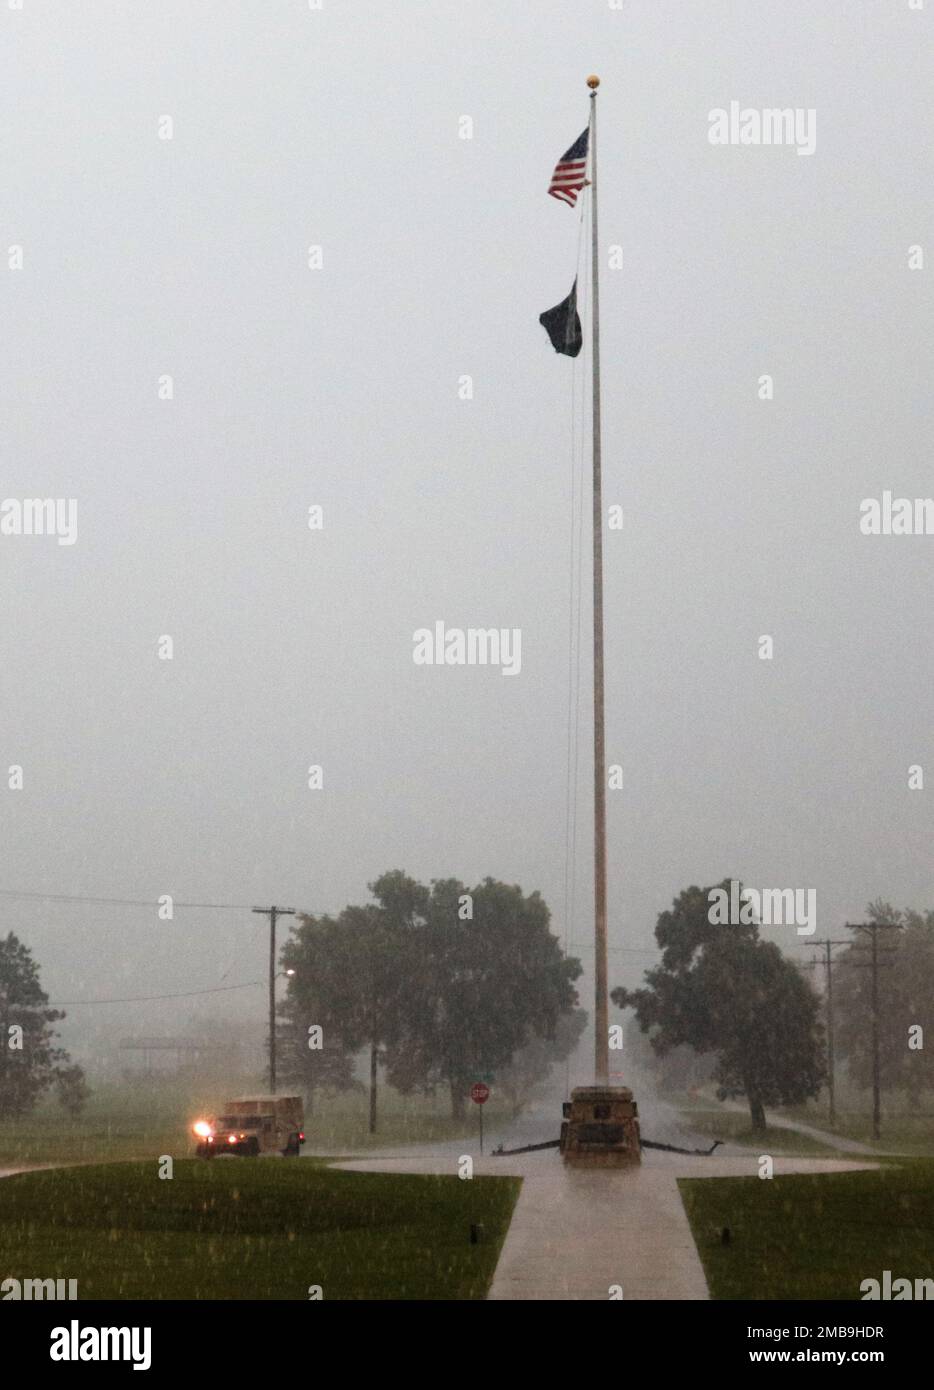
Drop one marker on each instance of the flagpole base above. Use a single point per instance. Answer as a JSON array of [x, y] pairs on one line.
[[601, 1128]]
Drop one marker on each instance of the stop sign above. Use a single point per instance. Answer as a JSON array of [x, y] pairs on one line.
[[480, 1092]]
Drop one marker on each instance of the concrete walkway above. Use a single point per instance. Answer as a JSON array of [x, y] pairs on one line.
[[823, 1136], [827, 1136], [32, 1168], [577, 1232]]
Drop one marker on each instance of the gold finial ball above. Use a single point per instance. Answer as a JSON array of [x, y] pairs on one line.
[[593, 82]]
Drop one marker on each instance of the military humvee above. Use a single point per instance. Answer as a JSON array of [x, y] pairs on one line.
[[253, 1125]]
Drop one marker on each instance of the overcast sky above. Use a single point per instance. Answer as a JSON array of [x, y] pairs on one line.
[[339, 387]]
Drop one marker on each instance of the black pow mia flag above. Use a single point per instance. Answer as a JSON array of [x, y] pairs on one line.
[[563, 325]]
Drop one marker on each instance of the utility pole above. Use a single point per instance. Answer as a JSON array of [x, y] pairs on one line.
[[828, 966], [873, 928], [272, 913]]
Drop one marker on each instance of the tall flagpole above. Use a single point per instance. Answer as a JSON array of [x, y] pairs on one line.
[[601, 1002]]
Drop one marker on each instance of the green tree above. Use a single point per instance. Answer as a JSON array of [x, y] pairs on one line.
[[905, 999], [315, 1049], [526, 1077], [71, 1089], [351, 980], [679, 1070], [486, 975], [438, 993], [30, 1060], [395, 928], [722, 990]]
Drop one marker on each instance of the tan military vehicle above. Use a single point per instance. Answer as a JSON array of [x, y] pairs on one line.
[[253, 1125], [601, 1127]]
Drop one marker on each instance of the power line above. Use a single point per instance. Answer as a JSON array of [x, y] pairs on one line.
[[229, 907], [119, 902], [141, 998], [616, 950], [133, 902]]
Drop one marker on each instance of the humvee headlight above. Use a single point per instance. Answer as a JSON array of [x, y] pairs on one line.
[[202, 1129]]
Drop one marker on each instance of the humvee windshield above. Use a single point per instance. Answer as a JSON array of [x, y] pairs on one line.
[[241, 1121]]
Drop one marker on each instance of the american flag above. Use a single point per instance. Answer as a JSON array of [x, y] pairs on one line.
[[568, 177]]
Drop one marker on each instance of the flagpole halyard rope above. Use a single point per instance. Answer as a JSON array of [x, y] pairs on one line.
[[575, 585]]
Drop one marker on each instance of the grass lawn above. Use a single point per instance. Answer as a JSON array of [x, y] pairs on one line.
[[148, 1118], [111, 1128], [735, 1127], [245, 1229], [813, 1236], [902, 1131]]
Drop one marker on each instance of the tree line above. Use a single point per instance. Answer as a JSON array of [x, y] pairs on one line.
[[751, 1017], [32, 1063], [441, 985]]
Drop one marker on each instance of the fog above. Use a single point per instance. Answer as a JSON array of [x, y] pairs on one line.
[[339, 387]]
